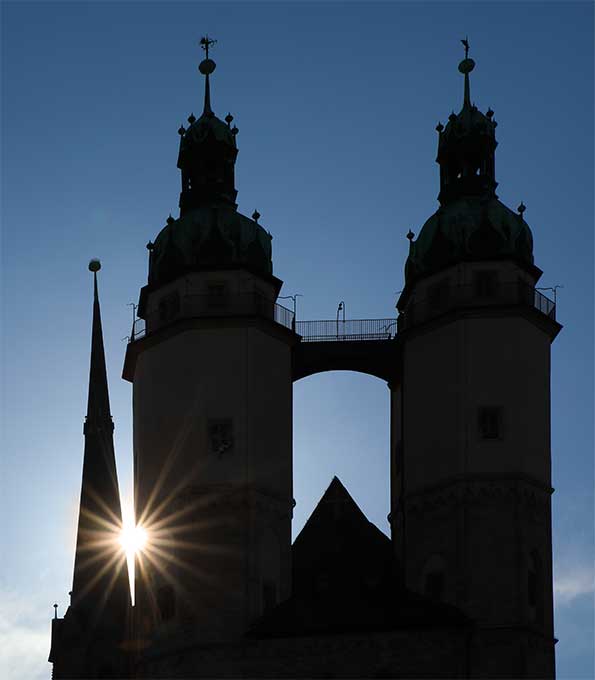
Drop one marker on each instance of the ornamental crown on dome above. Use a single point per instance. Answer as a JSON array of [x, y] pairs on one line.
[[210, 232], [471, 223]]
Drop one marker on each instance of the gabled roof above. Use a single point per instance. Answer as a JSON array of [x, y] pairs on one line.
[[344, 579]]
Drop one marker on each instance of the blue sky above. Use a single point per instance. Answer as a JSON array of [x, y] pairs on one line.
[[336, 105]]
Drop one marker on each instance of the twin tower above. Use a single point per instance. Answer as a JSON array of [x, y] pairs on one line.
[[212, 369]]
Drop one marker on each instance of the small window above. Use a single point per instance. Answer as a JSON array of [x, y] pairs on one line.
[[220, 436], [438, 295], [489, 422], [486, 283], [166, 602], [217, 293], [534, 588], [169, 307], [269, 596], [434, 585]]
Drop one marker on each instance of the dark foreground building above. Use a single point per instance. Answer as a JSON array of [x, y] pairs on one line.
[[463, 589]]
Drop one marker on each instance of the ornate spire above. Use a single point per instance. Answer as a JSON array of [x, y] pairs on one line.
[[100, 582], [466, 147], [206, 67], [207, 151]]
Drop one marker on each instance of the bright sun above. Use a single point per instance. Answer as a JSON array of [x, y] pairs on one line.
[[133, 539]]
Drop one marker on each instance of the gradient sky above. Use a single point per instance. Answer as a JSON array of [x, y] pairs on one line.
[[336, 105]]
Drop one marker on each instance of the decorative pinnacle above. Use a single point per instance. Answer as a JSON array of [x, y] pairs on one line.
[[94, 266], [255, 216], [522, 207], [410, 235], [439, 127], [55, 610]]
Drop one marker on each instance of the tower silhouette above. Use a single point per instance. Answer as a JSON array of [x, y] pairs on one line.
[[463, 588]]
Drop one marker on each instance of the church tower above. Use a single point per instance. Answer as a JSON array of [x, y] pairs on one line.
[[471, 469], [90, 641], [212, 407]]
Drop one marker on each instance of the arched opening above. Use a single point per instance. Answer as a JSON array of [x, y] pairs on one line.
[[342, 427], [433, 578], [535, 588]]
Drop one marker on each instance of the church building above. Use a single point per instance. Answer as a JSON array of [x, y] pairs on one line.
[[463, 587]]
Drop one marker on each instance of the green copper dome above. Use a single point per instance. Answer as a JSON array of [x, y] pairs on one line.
[[469, 229], [471, 223], [210, 233], [209, 237]]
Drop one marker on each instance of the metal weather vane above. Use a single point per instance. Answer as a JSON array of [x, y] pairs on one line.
[[205, 43], [466, 45]]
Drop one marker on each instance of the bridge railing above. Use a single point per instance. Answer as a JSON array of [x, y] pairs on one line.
[[351, 329]]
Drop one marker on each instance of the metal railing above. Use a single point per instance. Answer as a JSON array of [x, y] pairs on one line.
[[352, 329], [447, 298], [173, 307]]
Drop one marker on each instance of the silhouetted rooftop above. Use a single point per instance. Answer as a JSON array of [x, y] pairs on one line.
[[344, 579]]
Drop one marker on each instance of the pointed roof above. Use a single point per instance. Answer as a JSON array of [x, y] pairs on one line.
[[344, 579], [100, 581]]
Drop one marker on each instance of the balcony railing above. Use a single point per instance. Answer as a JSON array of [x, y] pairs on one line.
[[352, 329], [447, 298], [173, 307]]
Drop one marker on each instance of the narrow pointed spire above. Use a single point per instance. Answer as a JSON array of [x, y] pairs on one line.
[[466, 66], [100, 582]]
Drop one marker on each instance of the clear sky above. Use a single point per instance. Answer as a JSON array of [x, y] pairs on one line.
[[336, 105]]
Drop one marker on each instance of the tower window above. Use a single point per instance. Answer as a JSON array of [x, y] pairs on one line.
[[220, 435], [486, 283], [217, 292], [166, 602], [169, 307], [489, 422], [438, 295], [534, 588], [269, 596], [434, 585]]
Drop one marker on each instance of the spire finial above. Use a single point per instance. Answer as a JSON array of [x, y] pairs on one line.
[[466, 66], [206, 67], [55, 610], [466, 46]]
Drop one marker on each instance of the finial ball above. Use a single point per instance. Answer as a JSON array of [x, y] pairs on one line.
[[207, 66], [466, 66], [94, 266]]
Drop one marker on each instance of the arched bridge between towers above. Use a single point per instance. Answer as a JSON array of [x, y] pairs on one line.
[[363, 345]]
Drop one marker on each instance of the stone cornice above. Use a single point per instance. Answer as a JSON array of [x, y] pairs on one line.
[[479, 489]]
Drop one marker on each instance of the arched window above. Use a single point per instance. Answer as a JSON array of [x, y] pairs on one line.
[[535, 588], [433, 582], [166, 602], [270, 570]]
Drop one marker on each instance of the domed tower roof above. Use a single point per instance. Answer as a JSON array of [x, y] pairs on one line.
[[471, 223], [209, 233]]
